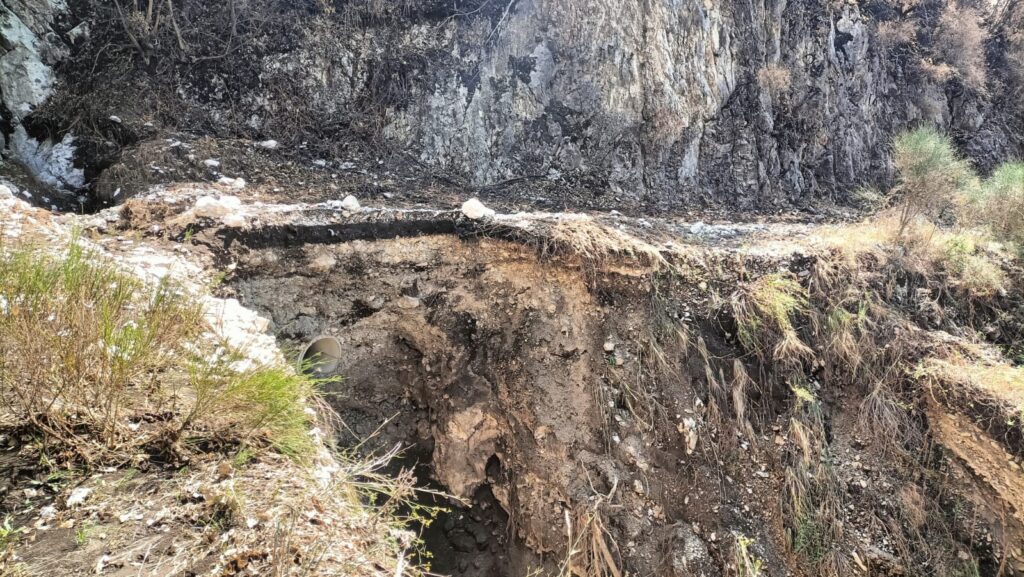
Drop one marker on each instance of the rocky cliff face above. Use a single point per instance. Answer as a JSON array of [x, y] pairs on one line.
[[34, 38], [657, 103]]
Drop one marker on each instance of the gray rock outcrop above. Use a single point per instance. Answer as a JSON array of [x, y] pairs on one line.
[[29, 49], [660, 102]]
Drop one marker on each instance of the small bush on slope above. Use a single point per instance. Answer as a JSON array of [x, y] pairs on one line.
[[961, 38], [931, 176], [87, 350], [999, 203]]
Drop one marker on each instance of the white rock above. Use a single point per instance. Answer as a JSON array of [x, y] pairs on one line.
[[217, 207], [408, 303], [115, 119], [323, 263], [78, 496], [473, 209], [212, 163], [234, 220], [320, 162], [26, 81], [6, 192], [51, 163], [350, 203], [269, 144], [238, 183]]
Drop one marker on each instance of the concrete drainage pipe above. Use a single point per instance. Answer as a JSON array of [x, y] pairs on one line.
[[320, 357]]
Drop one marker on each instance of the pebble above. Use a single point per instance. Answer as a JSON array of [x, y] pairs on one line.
[[408, 302], [231, 182], [350, 203], [473, 209], [78, 496]]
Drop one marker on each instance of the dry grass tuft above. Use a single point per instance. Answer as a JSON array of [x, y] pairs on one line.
[[1003, 381], [897, 33], [89, 349], [741, 384], [774, 79], [764, 313], [939, 72], [886, 419], [597, 243], [960, 41], [812, 494], [589, 553]]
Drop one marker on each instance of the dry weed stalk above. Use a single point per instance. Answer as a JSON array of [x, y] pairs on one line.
[[813, 496], [589, 553], [764, 313], [741, 383]]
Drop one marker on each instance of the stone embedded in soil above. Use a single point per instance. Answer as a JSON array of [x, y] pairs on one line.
[[229, 182], [217, 207], [408, 302], [350, 203], [268, 145], [473, 209], [234, 220], [322, 263], [78, 496], [462, 541]]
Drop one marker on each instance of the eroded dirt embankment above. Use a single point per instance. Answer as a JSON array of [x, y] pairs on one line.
[[613, 396], [602, 406]]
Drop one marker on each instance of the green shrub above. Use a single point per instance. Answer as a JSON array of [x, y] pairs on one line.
[[78, 337], [932, 176], [85, 347], [999, 203]]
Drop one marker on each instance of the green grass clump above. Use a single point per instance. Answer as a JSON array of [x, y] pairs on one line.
[[9, 533], [975, 274], [764, 315], [999, 203], [86, 347], [747, 564], [79, 337], [267, 399]]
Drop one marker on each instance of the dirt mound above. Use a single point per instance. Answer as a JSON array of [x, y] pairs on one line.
[[593, 396], [599, 413]]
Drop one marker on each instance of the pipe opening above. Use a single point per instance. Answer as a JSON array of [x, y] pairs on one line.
[[321, 357]]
